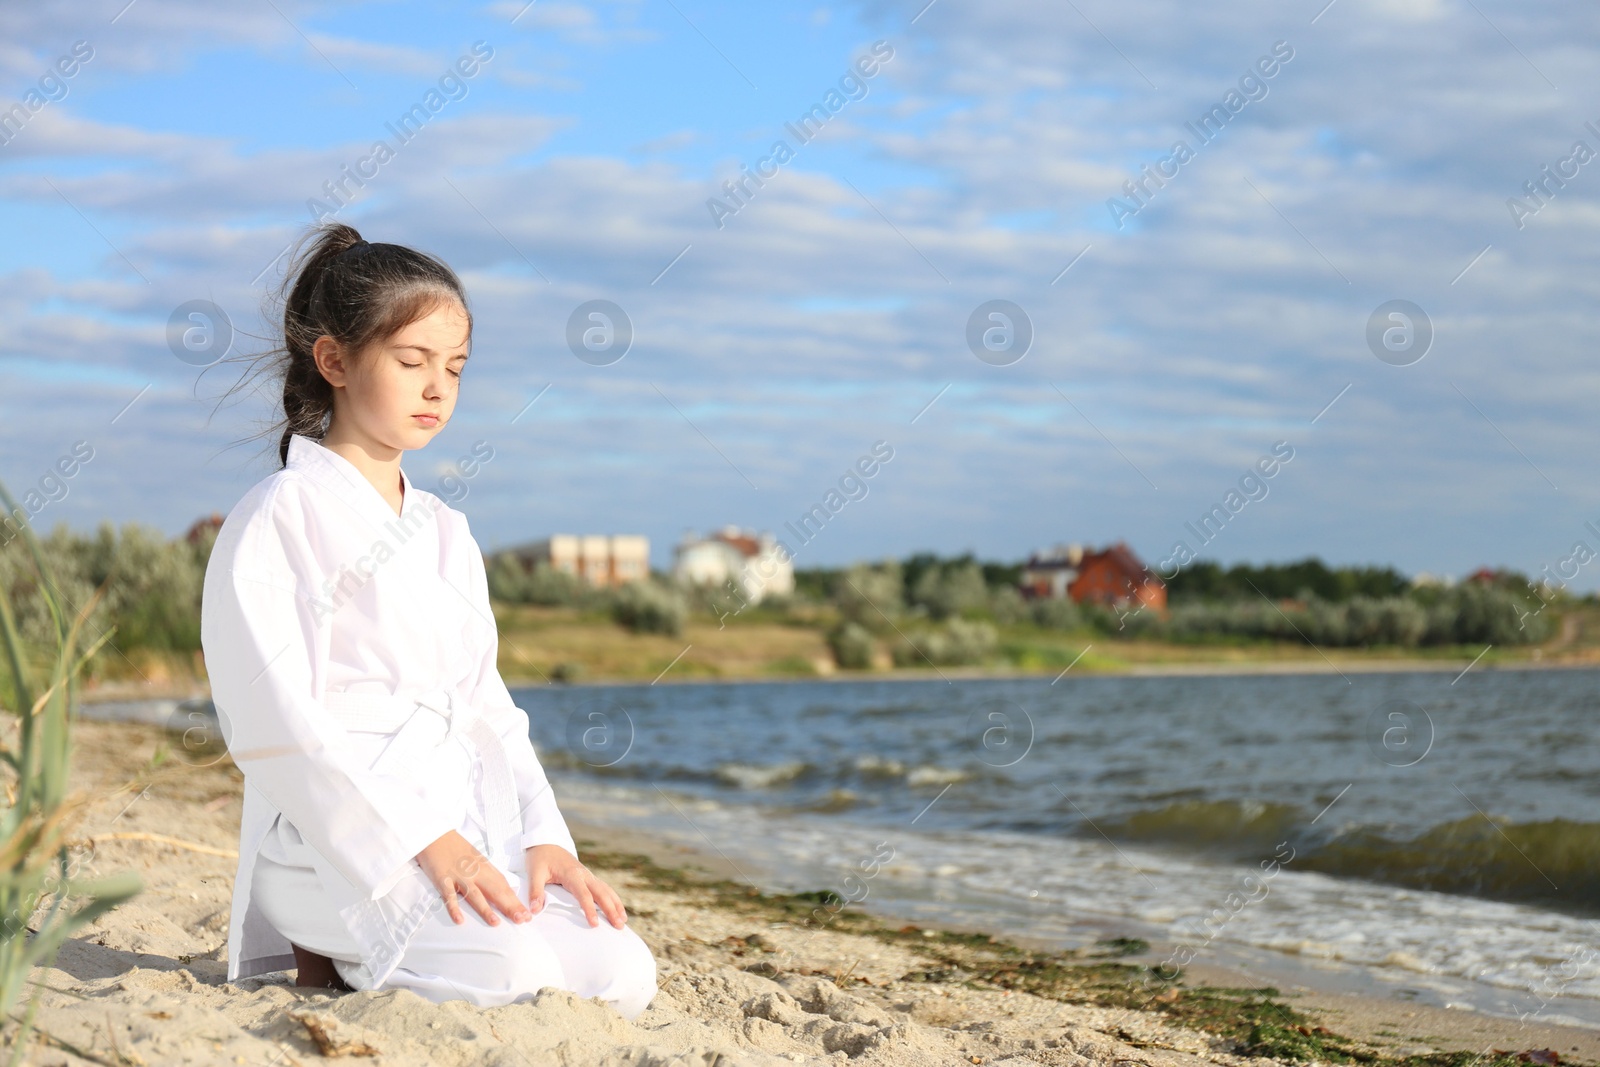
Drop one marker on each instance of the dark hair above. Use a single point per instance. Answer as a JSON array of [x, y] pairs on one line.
[[338, 285]]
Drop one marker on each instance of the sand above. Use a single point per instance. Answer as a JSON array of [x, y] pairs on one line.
[[147, 983]]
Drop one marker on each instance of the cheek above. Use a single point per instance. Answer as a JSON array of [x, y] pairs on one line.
[[391, 393]]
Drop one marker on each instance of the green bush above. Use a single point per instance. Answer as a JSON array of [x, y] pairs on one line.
[[1052, 614], [1478, 614], [648, 607], [723, 600], [1308, 578], [151, 585], [958, 643], [969, 642], [543, 585], [950, 590], [868, 595], [852, 646], [567, 671], [1468, 614], [1385, 621], [1008, 607]]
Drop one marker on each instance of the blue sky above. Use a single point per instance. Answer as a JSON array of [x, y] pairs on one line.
[[832, 310]]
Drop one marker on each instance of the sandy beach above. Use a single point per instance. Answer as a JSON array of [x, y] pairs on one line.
[[744, 978]]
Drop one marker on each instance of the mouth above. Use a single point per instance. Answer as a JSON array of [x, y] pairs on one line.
[[427, 420]]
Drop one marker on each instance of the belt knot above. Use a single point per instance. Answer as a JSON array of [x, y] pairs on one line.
[[443, 703]]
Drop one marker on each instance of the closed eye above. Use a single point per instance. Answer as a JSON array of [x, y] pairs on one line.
[[453, 374]]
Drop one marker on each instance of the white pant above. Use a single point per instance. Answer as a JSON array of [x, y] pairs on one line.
[[486, 965]]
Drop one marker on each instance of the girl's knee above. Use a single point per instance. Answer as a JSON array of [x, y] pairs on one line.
[[516, 966], [529, 962], [509, 962], [634, 973]]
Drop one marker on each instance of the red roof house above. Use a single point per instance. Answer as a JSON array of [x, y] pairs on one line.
[[1116, 576]]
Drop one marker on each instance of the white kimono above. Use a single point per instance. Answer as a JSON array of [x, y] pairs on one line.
[[351, 653]]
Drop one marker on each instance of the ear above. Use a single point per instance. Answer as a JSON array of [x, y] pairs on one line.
[[329, 357]]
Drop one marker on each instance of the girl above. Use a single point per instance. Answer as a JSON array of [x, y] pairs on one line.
[[347, 633]]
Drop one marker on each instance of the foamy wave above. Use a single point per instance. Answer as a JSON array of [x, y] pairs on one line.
[[878, 765], [760, 776], [928, 774]]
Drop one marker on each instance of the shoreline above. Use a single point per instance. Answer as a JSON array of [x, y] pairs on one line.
[[133, 693], [1397, 1024], [1136, 670]]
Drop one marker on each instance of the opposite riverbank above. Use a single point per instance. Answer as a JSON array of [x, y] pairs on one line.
[[603, 654]]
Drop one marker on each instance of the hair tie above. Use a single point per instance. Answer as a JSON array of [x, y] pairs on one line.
[[359, 246]]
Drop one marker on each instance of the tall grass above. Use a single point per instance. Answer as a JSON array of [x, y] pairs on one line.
[[42, 900]]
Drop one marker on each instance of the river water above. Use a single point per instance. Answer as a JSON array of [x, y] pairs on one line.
[[1421, 834]]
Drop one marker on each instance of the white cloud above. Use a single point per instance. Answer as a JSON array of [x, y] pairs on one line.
[[595, 24], [1224, 319]]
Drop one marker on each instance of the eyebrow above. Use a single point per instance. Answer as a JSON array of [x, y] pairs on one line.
[[431, 351]]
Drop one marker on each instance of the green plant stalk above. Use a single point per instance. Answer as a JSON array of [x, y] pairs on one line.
[[36, 821]]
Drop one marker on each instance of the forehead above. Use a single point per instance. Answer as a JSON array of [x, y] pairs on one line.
[[444, 328]]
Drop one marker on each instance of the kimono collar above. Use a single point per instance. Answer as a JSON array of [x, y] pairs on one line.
[[341, 477]]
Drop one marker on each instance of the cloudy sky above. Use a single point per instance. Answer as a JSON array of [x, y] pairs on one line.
[[1177, 334]]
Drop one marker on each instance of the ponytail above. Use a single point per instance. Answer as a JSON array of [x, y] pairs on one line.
[[307, 396]]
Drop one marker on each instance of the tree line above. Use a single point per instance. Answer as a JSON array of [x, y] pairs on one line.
[[922, 609]]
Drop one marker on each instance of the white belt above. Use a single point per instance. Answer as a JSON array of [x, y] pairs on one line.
[[398, 713]]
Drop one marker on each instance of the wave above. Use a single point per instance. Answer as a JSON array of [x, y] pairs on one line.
[[932, 774], [879, 767], [1236, 828], [1555, 862], [921, 774], [761, 776], [738, 774], [1552, 863], [835, 802]]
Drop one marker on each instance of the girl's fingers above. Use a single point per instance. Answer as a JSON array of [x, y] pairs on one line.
[[610, 903], [448, 893], [500, 893], [591, 893], [586, 898], [480, 905], [538, 876]]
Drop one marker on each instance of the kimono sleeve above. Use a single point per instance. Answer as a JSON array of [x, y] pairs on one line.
[[542, 822], [263, 646]]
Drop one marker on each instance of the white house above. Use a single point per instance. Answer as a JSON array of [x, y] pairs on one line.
[[1047, 574], [754, 562]]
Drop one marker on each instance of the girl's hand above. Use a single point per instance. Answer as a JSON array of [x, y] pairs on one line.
[[458, 870], [552, 863]]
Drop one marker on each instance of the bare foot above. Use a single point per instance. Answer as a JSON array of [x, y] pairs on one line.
[[316, 971]]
